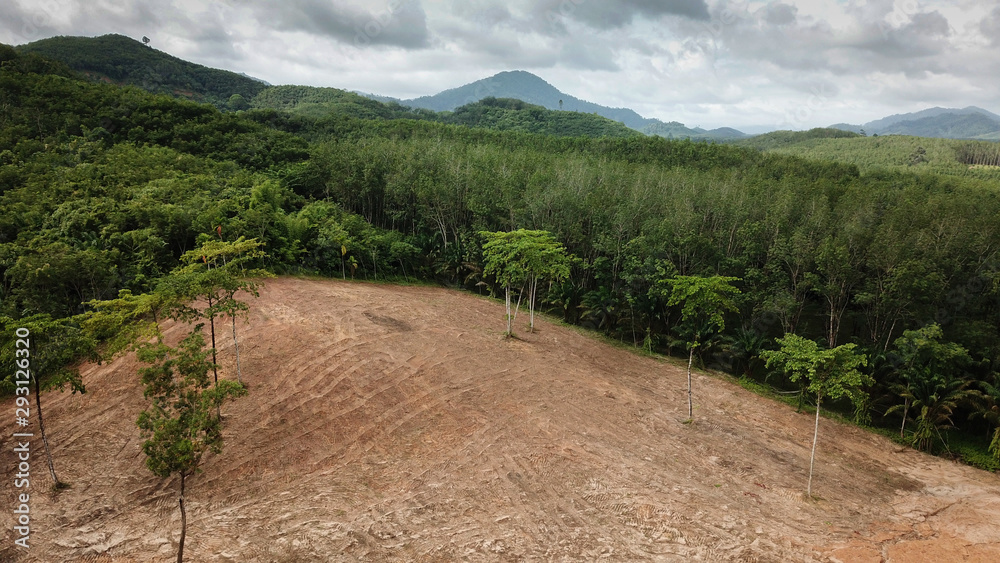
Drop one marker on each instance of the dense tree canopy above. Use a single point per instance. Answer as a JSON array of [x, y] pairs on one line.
[[104, 188]]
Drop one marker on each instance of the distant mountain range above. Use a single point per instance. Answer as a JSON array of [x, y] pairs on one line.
[[527, 87], [122, 60], [946, 123]]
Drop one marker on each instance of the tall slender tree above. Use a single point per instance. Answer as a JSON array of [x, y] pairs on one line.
[[704, 303], [54, 348], [831, 373], [216, 272], [181, 423]]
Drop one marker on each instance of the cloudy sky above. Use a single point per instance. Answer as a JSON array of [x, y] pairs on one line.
[[790, 64]]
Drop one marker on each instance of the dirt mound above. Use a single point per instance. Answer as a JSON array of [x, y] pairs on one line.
[[394, 423]]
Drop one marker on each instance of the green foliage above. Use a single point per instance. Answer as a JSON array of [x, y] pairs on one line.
[[181, 424], [778, 139], [933, 383], [513, 257], [310, 101], [973, 452], [514, 115], [123, 60], [520, 256], [893, 152], [830, 373], [58, 345], [704, 302], [118, 324]]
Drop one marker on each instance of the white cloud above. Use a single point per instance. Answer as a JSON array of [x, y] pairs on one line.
[[709, 63]]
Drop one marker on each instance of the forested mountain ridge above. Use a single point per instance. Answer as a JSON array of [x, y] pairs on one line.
[[125, 61], [946, 123], [677, 130], [105, 188], [488, 113]]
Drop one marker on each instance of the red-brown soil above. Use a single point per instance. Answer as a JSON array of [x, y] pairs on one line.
[[395, 423]]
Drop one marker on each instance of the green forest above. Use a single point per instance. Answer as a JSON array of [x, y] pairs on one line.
[[104, 188]]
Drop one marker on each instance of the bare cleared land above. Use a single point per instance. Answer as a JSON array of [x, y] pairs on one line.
[[395, 423]]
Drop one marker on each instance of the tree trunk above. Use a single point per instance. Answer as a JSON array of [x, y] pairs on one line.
[[180, 546], [211, 323], [41, 428], [509, 320], [236, 345], [906, 408], [517, 306], [812, 456], [215, 364], [690, 401], [531, 306]]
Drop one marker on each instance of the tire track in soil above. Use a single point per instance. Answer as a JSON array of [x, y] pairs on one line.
[[368, 441]]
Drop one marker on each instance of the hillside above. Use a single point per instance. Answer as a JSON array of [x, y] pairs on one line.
[[890, 152], [778, 139], [943, 123], [317, 102], [515, 115], [527, 87], [677, 130], [488, 113], [125, 61], [394, 423]]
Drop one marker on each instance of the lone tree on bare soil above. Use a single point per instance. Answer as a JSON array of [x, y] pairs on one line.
[[831, 373], [45, 360], [215, 271], [523, 257], [704, 302], [182, 421]]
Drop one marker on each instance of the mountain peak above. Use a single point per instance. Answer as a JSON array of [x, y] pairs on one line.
[[525, 86]]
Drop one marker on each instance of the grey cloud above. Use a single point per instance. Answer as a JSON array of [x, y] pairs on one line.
[[990, 27], [104, 17], [780, 14], [775, 35], [401, 23], [25, 24], [923, 36], [613, 14], [588, 56]]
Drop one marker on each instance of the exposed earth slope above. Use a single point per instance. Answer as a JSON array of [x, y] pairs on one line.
[[395, 423]]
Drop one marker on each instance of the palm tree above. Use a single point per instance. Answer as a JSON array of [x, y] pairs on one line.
[[932, 402], [745, 348], [932, 383]]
